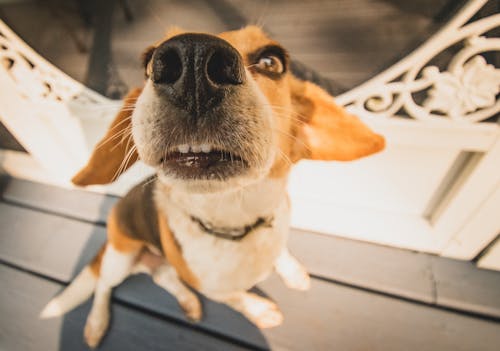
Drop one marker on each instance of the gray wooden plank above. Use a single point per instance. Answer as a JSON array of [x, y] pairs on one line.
[[328, 316], [419, 276], [59, 247], [375, 267], [23, 296], [335, 317], [388, 270], [51, 245], [76, 203], [462, 285]]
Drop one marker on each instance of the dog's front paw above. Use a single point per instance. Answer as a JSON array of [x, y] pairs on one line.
[[298, 279], [292, 272], [262, 312], [95, 328], [191, 306]]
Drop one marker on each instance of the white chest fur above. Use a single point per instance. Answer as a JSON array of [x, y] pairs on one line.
[[225, 266]]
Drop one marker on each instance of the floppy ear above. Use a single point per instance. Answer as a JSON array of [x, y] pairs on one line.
[[115, 152], [328, 132]]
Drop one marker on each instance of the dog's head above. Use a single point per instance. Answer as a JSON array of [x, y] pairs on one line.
[[223, 111]]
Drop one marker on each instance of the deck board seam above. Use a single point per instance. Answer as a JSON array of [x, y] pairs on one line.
[[52, 212], [435, 305]]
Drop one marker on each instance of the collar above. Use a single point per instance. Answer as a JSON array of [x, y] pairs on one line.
[[235, 233]]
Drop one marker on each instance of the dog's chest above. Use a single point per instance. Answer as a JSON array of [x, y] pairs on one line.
[[223, 266]]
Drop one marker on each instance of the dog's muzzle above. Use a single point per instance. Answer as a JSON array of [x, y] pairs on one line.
[[202, 117]]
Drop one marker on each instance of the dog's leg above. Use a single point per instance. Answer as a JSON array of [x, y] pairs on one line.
[[166, 277], [260, 311], [292, 272], [115, 267]]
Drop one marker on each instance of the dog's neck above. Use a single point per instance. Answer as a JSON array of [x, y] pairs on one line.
[[235, 208]]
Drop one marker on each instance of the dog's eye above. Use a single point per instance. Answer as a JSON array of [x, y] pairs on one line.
[[271, 63]]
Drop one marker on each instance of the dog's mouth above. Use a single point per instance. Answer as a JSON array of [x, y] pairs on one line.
[[202, 162]]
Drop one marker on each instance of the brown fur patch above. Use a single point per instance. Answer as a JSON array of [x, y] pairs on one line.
[[118, 238], [330, 132], [173, 253], [108, 161]]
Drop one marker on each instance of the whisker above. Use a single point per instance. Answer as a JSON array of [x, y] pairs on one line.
[[124, 135], [286, 158], [295, 114], [112, 137], [125, 162]]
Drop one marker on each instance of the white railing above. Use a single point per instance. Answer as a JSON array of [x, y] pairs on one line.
[[466, 92], [57, 119]]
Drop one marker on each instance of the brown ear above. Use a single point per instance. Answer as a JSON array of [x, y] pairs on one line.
[[116, 151], [328, 132]]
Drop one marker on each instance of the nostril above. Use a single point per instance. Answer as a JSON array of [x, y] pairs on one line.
[[167, 68], [224, 67]]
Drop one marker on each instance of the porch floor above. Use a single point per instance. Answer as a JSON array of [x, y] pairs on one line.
[[363, 296]]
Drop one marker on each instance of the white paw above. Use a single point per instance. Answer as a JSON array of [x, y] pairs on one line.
[[191, 306], [261, 311], [95, 328], [292, 272], [298, 279]]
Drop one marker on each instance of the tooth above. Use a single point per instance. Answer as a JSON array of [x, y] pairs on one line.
[[195, 148], [206, 148], [184, 148]]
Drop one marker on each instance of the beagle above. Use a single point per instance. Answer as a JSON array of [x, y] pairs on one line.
[[222, 120]]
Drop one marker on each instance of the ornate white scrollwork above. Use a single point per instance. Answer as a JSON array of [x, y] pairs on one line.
[[458, 93], [466, 92], [40, 82]]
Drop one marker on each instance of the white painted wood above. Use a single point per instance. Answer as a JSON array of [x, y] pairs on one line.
[[402, 179], [478, 232], [22, 165], [473, 192], [394, 229], [55, 118], [491, 259], [409, 132], [36, 136]]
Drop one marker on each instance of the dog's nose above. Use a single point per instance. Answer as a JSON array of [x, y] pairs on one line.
[[196, 70]]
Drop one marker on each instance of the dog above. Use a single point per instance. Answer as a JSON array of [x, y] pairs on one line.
[[222, 120]]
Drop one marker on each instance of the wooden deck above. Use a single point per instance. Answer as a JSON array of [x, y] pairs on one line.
[[363, 296]]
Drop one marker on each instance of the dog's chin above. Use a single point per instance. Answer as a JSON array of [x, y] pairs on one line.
[[211, 185]]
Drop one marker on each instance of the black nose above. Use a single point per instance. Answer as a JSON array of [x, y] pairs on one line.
[[196, 70]]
